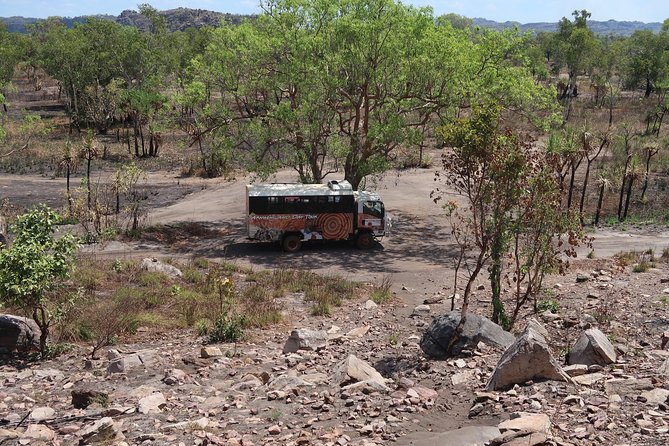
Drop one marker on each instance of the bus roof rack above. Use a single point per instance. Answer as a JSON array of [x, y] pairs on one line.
[[339, 185]]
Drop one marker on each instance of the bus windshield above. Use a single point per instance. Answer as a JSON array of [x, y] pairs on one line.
[[373, 208]]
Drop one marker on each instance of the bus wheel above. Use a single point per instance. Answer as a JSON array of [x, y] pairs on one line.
[[291, 243], [364, 240]]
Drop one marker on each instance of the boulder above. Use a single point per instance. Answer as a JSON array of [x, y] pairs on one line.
[[529, 358], [18, 333], [154, 265], [354, 370], [305, 339], [476, 329], [592, 347]]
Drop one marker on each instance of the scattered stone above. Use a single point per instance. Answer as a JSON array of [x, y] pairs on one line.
[[357, 333], [656, 396], [528, 422], [353, 370], [592, 347], [42, 413], [370, 304], [589, 379], [124, 363], [38, 432], [210, 352], [575, 370], [627, 386], [305, 339], [174, 376], [664, 369], [421, 310], [459, 379], [529, 358], [154, 265], [476, 329], [580, 278], [18, 333], [153, 403], [103, 430]]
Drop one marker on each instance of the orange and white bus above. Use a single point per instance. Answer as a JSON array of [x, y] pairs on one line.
[[295, 213]]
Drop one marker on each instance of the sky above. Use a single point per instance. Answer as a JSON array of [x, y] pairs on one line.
[[523, 11]]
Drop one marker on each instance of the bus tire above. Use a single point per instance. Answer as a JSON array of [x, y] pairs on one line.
[[364, 240], [291, 243]]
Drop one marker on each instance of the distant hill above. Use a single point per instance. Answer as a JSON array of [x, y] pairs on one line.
[[176, 19], [183, 18], [609, 27]]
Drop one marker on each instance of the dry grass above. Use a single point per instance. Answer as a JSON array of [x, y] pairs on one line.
[[118, 298]]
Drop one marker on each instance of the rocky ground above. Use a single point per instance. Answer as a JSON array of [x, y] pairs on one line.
[[174, 390], [165, 390]]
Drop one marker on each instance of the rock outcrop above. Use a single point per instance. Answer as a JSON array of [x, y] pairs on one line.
[[592, 347], [528, 359], [476, 329]]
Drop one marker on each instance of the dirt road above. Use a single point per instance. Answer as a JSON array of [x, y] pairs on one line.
[[417, 255]]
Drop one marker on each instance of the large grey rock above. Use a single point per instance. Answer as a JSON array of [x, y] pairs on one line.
[[18, 333], [305, 339], [529, 358], [466, 436], [592, 347], [354, 370], [154, 265], [476, 329]]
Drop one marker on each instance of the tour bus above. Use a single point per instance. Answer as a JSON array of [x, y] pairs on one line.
[[294, 213]]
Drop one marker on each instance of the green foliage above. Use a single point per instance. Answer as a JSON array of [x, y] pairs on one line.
[[34, 266], [551, 305], [228, 329], [382, 293]]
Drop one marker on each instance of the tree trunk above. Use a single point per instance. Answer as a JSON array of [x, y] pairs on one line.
[[649, 88], [645, 179], [599, 203], [88, 178], [629, 194], [622, 187], [498, 314], [67, 187], [585, 188]]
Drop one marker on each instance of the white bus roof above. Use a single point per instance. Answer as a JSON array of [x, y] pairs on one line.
[[296, 189]]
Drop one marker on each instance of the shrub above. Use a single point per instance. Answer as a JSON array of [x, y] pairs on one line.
[[382, 292], [228, 328], [551, 305]]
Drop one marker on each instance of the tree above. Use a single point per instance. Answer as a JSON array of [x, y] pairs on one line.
[[575, 45], [513, 209], [646, 61], [35, 267]]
